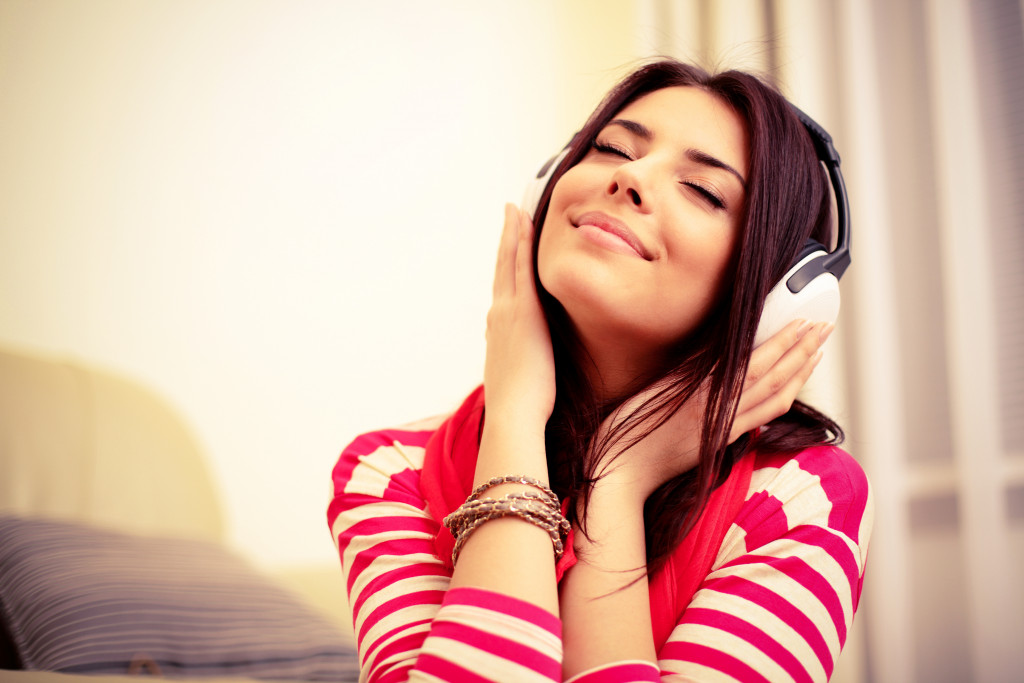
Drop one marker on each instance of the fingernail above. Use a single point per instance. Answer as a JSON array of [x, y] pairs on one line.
[[802, 328], [825, 332]]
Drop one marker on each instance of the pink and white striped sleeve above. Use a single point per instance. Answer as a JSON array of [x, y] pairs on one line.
[[777, 605], [408, 625], [781, 598]]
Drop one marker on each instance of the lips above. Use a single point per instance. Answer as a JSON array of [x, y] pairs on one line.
[[616, 229]]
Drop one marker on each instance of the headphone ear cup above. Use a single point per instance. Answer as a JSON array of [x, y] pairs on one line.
[[817, 301], [534, 190]]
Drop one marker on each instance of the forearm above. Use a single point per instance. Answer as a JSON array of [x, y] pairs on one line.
[[605, 602], [510, 555], [406, 619]]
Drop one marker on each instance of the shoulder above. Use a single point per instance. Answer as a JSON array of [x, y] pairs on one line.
[[826, 461], [823, 486], [385, 460], [787, 580], [827, 472]]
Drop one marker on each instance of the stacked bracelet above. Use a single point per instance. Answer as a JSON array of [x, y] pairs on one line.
[[549, 495], [540, 509]]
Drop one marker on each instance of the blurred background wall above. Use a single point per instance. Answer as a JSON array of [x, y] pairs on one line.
[[282, 216]]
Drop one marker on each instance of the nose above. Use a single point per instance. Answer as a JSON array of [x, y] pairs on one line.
[[626, 183]]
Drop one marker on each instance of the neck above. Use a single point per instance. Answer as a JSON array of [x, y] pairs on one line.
[[616, 366]]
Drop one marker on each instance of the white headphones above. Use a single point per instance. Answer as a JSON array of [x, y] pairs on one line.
[[810, 289]]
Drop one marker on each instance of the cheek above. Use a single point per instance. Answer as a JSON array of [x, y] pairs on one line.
[[551, 240], [701, 268], [710, 265], [701, 246]]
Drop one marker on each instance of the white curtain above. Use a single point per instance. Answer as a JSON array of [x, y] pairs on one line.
[[924, 99]]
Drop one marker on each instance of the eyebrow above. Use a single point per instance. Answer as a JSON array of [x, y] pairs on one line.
[[695, 155]]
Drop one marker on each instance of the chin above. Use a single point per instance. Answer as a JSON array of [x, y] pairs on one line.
[[614, 322], [583, 292]]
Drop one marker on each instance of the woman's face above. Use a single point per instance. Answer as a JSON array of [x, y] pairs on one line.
[[639, 234]]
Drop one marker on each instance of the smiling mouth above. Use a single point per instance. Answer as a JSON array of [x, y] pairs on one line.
[[612, 234]]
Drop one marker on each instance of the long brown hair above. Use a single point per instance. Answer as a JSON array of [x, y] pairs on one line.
[[787, 202]]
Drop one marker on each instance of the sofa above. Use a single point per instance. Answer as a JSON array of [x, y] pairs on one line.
[[113, 560]]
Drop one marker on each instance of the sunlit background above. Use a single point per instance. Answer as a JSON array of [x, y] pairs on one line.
[[282, 215]]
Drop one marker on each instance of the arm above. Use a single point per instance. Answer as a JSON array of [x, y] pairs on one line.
[[787, 581], [510, 555], [406, 619], [496, 615], [781, 598], [605, 601]]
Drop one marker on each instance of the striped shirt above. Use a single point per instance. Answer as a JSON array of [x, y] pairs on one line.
[[777, 605]]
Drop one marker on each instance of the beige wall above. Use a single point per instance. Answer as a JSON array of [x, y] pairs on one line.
[[281, 215]]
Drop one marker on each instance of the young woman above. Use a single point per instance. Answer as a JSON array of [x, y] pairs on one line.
[[640, 495]]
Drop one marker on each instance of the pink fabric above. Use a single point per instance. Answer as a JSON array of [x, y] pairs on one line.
[[626, 672], [447, 480], [764, 576]]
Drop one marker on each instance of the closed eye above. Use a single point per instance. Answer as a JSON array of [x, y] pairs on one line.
[[605, 148], [711, 197]]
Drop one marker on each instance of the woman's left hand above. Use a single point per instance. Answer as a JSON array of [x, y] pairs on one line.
[[778, 369]]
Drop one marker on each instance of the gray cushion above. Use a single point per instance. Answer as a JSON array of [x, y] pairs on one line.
[[79, 599]]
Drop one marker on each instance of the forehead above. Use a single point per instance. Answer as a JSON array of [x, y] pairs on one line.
[[693, 118]]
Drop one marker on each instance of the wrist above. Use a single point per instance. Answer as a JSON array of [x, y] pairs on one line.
[[520, 417], [516, 430], [621, 490], [614, 518], [510, 448]]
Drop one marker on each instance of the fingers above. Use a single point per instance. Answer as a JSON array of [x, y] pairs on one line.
[[767, 354], [504, 273], [514, 268], [778, 369], [524, 254]]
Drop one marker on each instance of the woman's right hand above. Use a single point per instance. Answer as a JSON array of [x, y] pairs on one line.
[[509, 555], [519, 373]]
